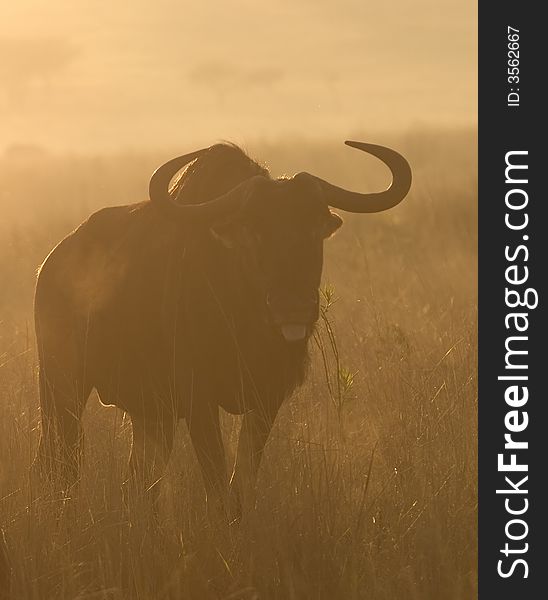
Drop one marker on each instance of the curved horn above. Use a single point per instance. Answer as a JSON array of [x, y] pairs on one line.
[[370, 203], [158, 188], [206, 211]]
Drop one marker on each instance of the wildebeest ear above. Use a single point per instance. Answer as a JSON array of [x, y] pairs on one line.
[[230, 234], [333, 224]]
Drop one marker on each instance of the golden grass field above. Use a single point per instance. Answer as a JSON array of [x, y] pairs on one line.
[[368, 489]]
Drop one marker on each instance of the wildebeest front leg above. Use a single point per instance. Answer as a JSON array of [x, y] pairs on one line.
[[151, 446], [256, 427], [205, 432]]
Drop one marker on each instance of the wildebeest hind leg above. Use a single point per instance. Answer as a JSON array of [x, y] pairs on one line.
[[64, 390]]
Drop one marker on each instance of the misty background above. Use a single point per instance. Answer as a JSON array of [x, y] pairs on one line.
[[367, 493], [95, 76]]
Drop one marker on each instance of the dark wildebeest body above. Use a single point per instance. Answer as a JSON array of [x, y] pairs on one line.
[[171, 315]]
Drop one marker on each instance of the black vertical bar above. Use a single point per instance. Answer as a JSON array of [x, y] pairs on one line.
[[510, 121]]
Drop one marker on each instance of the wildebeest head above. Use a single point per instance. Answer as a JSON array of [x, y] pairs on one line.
[[279, 227]]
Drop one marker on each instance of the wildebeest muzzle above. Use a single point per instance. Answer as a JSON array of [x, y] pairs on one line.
[[294, 313]]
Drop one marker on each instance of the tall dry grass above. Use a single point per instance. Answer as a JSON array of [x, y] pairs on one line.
[[368, 488]]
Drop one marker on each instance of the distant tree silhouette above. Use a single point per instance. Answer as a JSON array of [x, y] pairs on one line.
[[224, 78], [332, 79], [30, 62]]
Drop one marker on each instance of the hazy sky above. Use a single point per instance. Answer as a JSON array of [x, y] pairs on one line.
[[98, 74]]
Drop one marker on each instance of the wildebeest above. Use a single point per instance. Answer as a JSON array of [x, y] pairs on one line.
[[203, 296]]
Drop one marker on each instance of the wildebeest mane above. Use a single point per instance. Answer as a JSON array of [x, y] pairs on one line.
[[214, 173], [223, 281]]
